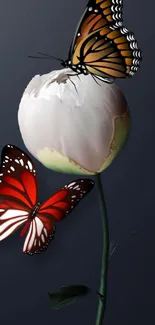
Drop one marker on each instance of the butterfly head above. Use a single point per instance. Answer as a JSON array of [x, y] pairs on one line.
[[64, 63], [78, 68]]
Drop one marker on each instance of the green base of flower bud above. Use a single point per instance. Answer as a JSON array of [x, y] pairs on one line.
[[52, 159], [121, 133]]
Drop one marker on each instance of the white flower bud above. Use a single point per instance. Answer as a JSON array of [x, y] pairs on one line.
[[71, 123]]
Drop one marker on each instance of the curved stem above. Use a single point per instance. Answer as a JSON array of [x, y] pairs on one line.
[[105, 255]]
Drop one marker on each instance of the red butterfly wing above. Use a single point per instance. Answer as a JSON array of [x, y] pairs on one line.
[[57, 207], [64, 201], [41, 232], [18, 189], [18, 177]]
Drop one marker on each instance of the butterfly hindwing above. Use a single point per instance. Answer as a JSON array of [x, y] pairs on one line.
[[40, 233], [56, 208], [109, 53]]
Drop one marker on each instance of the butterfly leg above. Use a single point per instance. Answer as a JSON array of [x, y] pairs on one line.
[[107, 80], [72, 82], [95, 79]]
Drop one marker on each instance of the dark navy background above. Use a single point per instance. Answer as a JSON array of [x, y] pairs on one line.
[[28, 26]]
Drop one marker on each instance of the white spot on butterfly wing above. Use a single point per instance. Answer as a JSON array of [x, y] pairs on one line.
[[12, 168], [75, 187], [42, 238], [21, 162], [70, 185], [25, 248], [30, 165], [39, 226], [45, 231]]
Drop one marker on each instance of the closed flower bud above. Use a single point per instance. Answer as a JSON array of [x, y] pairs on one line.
[[73, 124]]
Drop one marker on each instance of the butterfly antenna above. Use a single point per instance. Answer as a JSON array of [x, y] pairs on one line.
[[50, 56], [45, 56], [37, 57]]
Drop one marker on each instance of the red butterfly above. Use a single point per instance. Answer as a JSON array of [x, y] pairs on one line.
[[19, 201]]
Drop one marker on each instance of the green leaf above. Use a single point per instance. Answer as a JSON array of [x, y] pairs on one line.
[[67, 295]]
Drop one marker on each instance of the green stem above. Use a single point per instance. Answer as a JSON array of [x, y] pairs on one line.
[[105, 255]]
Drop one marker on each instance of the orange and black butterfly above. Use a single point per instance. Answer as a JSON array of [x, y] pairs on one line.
[[102, 46]]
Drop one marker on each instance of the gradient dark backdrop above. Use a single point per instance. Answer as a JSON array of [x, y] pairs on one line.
[[28, 26]]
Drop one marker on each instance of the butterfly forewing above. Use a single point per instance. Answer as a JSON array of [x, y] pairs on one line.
[[18, 177], [65, 200], [98, 14], [11, 218], [110, 9], [18, 189]]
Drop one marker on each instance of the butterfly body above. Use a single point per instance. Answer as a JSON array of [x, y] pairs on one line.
[[19, 203], [34, 211], [77, 68]]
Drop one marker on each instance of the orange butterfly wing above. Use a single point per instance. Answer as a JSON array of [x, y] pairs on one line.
[[102, 46], [109, 53], [98, 14], [110, 9]]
